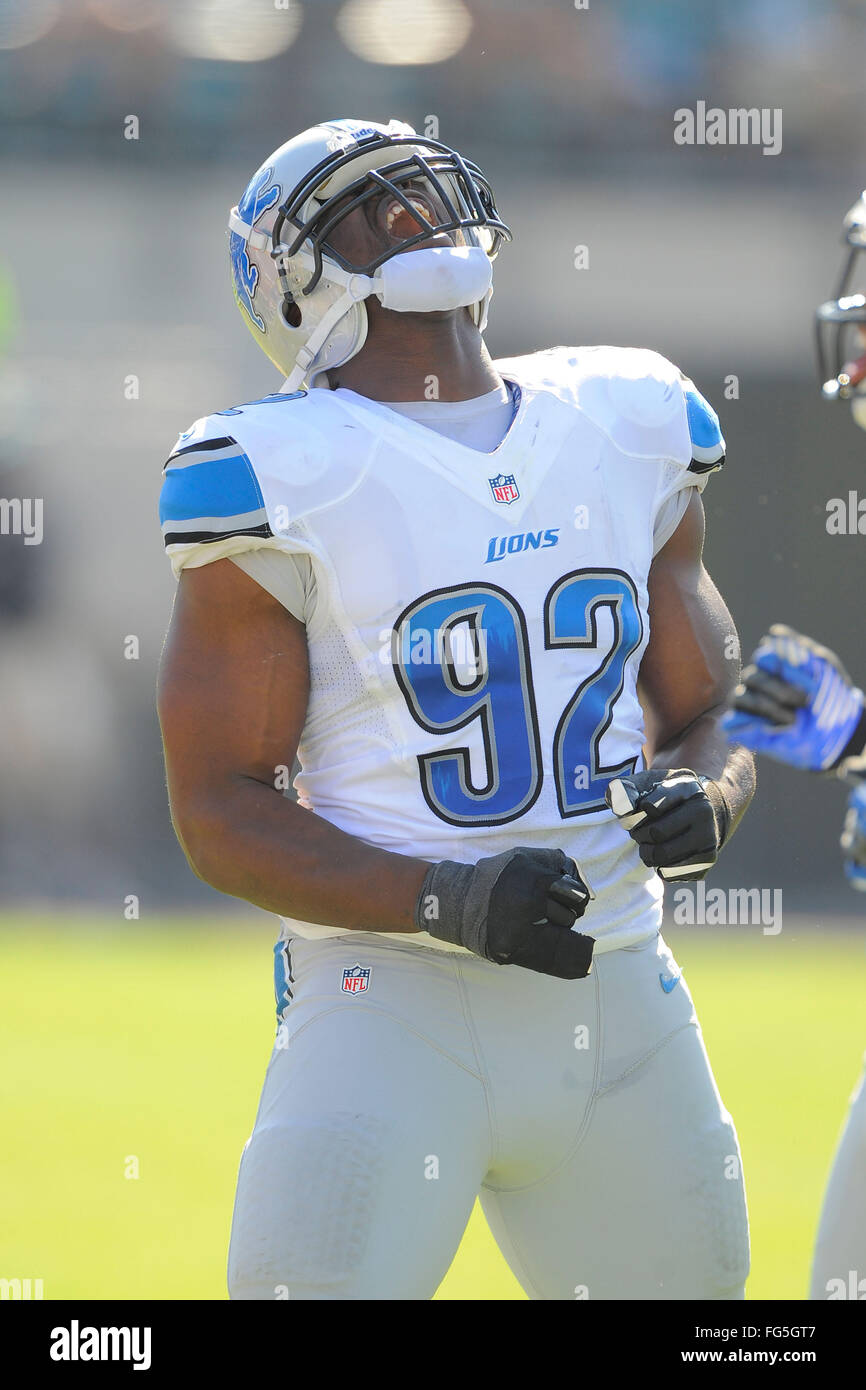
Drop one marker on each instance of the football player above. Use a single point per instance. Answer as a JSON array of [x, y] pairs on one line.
[[797, 703], [468, 594]]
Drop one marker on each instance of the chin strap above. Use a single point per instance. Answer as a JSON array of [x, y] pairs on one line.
[[357, 289]]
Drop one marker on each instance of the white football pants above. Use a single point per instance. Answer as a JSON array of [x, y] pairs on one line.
[[584, 1113], [839, 1266]]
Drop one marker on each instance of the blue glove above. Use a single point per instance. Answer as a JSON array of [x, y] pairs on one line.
[[854, 839], [797, 703]]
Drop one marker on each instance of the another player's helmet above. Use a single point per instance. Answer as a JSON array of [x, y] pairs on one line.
[[841, 324], [301, 299]]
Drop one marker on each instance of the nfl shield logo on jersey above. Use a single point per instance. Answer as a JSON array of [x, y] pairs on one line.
[[356, 979], [504, 487]]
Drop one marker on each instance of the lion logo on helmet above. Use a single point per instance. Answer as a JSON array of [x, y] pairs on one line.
[[260, 195]]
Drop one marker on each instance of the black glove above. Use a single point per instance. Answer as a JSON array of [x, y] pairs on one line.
[[679, 819], [514, 908]]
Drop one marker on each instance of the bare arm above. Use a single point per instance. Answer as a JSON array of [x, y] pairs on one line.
[[233, 692], [690, 668]]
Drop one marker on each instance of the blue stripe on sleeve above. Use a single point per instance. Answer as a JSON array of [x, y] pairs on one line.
[[704, 428], [219, 487]]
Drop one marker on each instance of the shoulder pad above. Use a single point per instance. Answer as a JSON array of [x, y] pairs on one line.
[[210, 490], [636, 397], [255, 469]]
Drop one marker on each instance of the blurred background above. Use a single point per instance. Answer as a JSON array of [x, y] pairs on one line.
[[127, 130]]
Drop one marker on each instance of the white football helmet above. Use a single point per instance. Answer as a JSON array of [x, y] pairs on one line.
[[302, 300], [841, 324]]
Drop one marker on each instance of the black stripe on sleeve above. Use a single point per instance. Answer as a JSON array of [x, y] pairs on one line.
[[207, 537], [203, 444]]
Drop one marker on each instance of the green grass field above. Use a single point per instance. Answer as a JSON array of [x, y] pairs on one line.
[[126, 1042]]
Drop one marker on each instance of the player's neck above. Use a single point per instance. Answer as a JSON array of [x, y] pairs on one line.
[[416, 357]]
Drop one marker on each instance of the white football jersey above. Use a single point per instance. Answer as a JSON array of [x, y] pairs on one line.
[[480, 618]]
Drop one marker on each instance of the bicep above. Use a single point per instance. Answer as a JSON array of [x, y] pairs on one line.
[[691, 662], [233, 683]]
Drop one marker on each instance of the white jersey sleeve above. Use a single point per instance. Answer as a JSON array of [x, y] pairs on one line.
[[236, 485], [704, 453], [240, 485], [211, 508], [651, 409], [211, 503]]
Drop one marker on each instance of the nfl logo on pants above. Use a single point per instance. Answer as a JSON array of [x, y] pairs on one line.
[[356, 978], [504, 487]]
